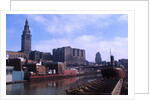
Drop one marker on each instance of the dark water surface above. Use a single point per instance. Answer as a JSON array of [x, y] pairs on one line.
[[48, 87]]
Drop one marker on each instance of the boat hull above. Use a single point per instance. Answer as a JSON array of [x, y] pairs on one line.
[[114, 73]]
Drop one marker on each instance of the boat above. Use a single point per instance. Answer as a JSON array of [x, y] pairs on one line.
[[113, 71]]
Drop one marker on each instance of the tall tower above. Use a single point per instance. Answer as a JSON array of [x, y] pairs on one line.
[[26, 39], [98, 58]]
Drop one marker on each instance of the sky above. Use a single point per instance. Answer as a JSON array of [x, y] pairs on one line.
[[91, 32]]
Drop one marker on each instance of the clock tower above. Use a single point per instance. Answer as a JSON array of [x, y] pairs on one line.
[[26, 40]]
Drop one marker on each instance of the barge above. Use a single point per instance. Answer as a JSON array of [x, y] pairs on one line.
[[96, 87]]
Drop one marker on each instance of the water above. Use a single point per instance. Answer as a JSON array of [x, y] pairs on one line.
[[49, 87]]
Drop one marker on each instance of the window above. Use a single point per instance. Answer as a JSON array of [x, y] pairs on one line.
[[82, 53], [78, 52], [73, 52]]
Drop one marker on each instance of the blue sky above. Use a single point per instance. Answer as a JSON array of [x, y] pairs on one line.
[[92, 32]]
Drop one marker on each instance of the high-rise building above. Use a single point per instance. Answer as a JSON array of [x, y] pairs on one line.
[[26, 40], [98, 58], [70, 56]]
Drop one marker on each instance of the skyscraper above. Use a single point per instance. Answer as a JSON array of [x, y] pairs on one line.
[[98, 58], [26, 39]]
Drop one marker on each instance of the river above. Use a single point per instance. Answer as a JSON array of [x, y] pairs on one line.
[[57, 87]]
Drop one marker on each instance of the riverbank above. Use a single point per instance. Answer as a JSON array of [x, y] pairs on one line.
[[13, 82], [43, 77], [49, 78]]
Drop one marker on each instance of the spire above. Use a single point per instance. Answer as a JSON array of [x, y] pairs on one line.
[[26, 27], [26, 24]]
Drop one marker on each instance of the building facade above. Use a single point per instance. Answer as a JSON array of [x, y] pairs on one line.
[[15, 55], [37, 55], [46, 56], [70, 56]]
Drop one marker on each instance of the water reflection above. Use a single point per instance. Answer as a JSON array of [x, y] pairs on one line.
[[57, 87]]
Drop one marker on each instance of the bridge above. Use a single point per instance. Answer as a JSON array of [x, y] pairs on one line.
[[87, 69]]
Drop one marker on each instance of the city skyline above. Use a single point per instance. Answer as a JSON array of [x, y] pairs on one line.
[[91, 32]]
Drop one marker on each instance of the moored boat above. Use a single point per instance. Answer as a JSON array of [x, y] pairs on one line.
[[113, 71]]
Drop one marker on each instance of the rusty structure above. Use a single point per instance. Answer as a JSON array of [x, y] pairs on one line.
[[96, 87]]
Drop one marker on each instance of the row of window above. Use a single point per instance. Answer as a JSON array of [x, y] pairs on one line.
[[77, 52], [15, 56], [61, 53]]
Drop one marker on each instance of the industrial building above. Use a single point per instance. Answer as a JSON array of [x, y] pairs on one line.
[[70, 56]]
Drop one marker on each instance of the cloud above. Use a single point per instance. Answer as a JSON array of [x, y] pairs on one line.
[[91, 44], [123, 18], [85, 39], [38, 18], [71, 23]]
